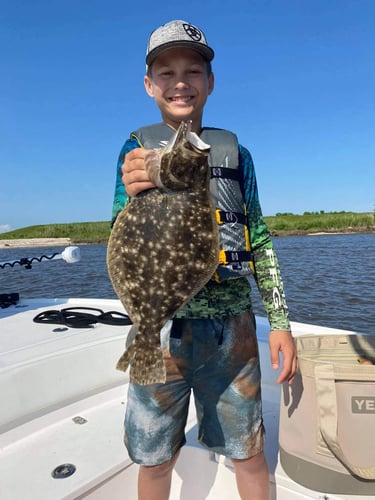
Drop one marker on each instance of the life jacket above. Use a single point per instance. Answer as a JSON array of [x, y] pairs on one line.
[[235, 256]]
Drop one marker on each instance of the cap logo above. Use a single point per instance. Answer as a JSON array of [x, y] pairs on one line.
[[193, 32]]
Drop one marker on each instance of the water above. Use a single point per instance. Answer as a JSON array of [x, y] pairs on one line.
[[328, 280]]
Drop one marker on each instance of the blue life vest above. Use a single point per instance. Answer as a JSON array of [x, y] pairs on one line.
[[235, 256]]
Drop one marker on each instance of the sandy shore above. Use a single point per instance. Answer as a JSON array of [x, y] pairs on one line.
[[35, 242]]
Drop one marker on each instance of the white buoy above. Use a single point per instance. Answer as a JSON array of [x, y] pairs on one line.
[[69, 254]]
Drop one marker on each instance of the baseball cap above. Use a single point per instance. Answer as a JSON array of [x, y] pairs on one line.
[[177, 34]]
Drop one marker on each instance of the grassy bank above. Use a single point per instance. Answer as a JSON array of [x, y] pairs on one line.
[[321, 222], [281, 225], [78, 232]]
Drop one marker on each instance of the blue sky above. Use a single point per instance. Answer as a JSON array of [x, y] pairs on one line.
[[294, 80]]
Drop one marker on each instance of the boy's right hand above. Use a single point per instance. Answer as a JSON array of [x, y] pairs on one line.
[[134, 176]]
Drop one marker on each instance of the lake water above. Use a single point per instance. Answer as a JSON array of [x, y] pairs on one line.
[[329, 280]]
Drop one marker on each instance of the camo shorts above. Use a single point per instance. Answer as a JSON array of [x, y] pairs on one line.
[[218, 360]]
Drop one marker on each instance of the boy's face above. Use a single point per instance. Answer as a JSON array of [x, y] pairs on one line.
[[180, 84]]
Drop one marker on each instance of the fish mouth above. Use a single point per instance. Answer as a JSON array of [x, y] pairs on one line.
[[184, 134]]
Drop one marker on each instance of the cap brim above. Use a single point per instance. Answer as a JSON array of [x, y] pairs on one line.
[[205, 51]]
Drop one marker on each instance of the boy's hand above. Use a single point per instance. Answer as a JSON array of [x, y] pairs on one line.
[[282, 341], [134, 176]]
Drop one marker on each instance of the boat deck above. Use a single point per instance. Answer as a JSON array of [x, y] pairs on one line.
[[64, 402]]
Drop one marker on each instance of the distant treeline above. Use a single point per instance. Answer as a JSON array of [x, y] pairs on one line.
[[279, 224]]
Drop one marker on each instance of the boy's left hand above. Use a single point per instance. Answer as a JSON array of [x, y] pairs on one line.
[[282, 341]]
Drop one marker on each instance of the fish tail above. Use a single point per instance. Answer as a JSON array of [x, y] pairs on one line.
[[130, 348], [126, 358], [145, 357], [147, 366]]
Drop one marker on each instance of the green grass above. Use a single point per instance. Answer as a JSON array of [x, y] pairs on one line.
[[322, 222], [281, 224], [79, 232]]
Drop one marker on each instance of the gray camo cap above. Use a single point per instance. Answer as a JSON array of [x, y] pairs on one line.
[[177, 34]]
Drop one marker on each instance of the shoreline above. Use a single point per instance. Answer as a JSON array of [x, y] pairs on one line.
[[43, 242], [35, 242], [322, 232]]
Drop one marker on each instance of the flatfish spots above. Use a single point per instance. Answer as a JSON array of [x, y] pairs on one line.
[[163, 248]]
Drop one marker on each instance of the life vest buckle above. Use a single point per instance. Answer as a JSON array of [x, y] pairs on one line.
[[223, 258], [218, 217], [226, 217]]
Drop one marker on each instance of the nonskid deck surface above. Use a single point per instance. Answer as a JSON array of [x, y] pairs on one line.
[[65, 403]]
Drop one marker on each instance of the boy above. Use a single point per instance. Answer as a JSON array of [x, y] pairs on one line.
[[212, 346]]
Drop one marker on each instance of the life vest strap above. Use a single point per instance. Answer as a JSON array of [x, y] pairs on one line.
[[230, 257], [223, 217], [225, 173]]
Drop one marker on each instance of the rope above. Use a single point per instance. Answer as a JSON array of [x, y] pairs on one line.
[[26, 262]]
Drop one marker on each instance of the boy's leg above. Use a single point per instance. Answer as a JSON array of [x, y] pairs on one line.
[[155, 421], [154, 483], [228, 400], [252, 478]]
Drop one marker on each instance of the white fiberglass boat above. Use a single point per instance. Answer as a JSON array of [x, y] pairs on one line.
[[62, 410]]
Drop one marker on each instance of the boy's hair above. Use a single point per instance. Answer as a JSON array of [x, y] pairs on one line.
[[178, 34]]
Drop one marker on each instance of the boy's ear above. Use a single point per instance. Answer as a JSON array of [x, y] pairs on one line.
[[211, 83], [148, 86]]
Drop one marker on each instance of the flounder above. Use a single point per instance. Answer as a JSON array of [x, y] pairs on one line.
[[163, 248]]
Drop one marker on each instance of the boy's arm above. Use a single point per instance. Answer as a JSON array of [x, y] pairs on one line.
[[131, 177], [121, 197], [267, 275]]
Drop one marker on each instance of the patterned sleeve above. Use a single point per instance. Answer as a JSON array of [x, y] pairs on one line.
[[121, 197], [267, 271]]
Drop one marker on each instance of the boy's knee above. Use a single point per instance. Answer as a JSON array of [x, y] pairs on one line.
[[252, 464], [156, 471]]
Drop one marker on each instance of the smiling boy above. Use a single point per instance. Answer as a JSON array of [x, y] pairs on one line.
[[212, 348], [186, 100]]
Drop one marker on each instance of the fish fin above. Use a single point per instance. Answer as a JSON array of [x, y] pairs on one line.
[[148, 367], [126, 358], [130, 349], [131, 336]]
